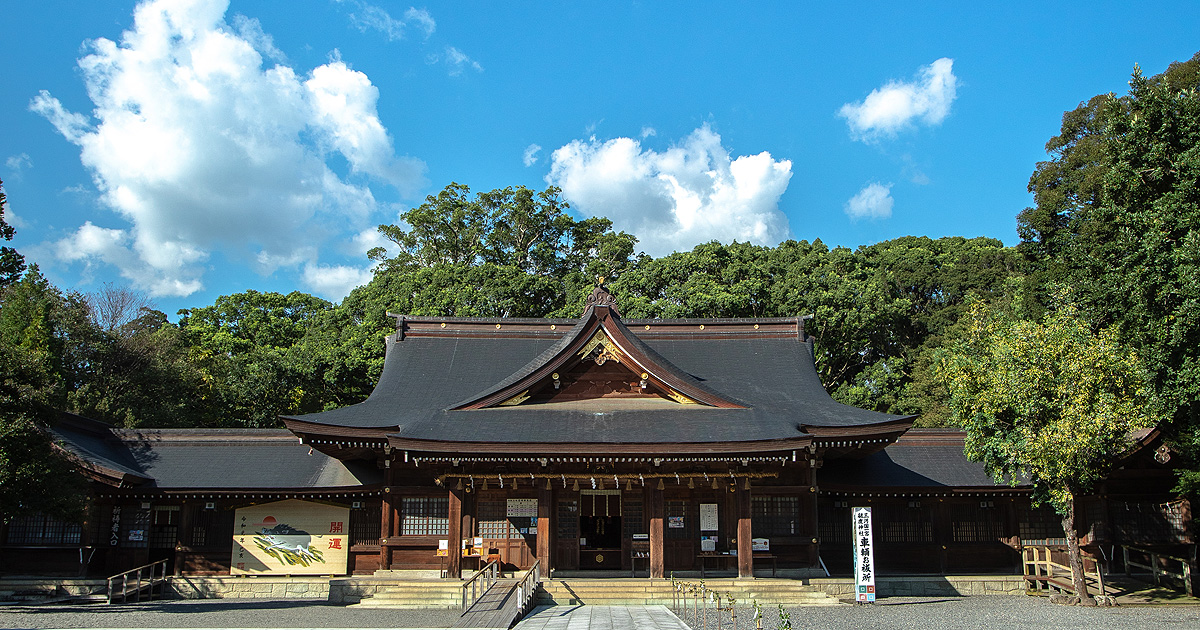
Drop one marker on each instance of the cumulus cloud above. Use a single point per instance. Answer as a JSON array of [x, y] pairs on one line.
[[199, 148], [334, 282], [872, 202], [369, 17], [895, 106], [693, 192], [530, 157]]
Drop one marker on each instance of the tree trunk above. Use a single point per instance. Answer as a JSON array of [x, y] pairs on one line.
[[1076, 557]]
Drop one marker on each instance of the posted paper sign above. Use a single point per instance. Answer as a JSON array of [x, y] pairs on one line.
[[864, 555], [708, 517], [522, 508]]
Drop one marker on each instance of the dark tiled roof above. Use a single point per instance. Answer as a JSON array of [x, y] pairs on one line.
[[919, 459], [211, 458], [426, 376]]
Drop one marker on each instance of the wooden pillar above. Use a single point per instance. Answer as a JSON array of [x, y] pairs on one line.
[[657, 509], [545, 525], [744, 549], [387, 528], [183, 533], [455, 535], [815, 510]]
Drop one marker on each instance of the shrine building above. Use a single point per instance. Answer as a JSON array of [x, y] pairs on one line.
[[590, 444]]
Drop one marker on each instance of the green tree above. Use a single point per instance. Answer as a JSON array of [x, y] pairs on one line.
[[12, 263], [247, 348], [1118, 221], [1051, 403], [36, 370]]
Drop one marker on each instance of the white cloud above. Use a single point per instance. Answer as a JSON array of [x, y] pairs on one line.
[[19, 162], [895, 106], [366, 16], [691, 193], [530, 157], [200, 149], [872, 202], [459, 62], [648, 132], [334, 282], [423, 19]]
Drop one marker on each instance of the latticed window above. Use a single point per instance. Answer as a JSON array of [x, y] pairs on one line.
[[833, 524], [977, 522], [425, 516], [135, 524], [494, 522], [910, 523], [681, 521], [1041, 526], [39, 529], [164, 526], [1147, 521], [365, 525], [774, 516], [631, 517], [211, 528], [568, 520]]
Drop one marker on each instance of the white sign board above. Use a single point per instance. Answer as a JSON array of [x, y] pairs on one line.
[[708, 517], [523, 508], [864, 555]]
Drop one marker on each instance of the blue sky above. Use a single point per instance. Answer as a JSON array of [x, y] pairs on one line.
[[203, 148]]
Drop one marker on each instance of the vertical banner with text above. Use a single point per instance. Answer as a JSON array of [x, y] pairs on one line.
[[864, 555]]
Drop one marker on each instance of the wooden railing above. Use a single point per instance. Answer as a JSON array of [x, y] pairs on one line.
[[155, 575], [1043, 573], [527, 588], [479, 583], [1155, 566]]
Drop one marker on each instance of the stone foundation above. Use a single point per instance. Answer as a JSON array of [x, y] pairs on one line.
[[928, 586]]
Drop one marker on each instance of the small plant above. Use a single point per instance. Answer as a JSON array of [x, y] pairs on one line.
[[785, 619], [757, 615]]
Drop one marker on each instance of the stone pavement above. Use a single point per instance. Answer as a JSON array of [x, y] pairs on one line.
[[601, 618]]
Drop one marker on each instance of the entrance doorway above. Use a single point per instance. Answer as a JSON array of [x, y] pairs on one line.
[[600, 531]]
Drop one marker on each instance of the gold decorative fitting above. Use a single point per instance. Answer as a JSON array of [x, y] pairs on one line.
[[552, 326], [516, 400], [497, 326], [599, 558], [645, 375], [756, 327], [647, 326], [443, 324], [554, 376], [701, 326]]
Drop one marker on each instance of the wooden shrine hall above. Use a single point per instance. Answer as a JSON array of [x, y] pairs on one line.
[[592, 444]]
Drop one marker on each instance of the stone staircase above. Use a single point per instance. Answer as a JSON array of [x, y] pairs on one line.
[[637, 591], [385, 593]]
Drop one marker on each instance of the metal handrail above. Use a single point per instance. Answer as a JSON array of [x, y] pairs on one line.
[[528, 586], [487, 576], [151, 580]]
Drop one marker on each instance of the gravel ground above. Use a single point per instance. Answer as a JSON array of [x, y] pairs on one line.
[[959, 613], [893, 613], [222, 613]]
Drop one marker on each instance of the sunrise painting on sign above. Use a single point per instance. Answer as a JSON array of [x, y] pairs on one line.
[[290, 537]]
